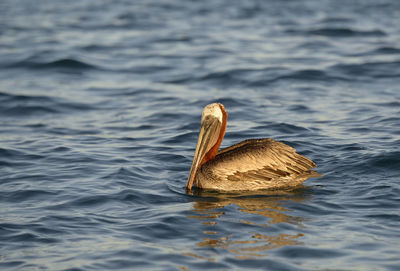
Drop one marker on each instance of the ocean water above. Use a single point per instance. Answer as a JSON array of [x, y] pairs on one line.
[[100, 105]]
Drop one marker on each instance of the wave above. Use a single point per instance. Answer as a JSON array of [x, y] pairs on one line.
[[36, 62], [260, 77], [385, 50], [63, 63], [16, 105], [301, 75], [368, 69], [345, 32], [385, 161], [286, 128], [26, 195], [15, 155], [29, 237]]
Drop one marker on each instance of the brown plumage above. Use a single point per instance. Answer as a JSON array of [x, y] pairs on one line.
[[249, 165], [255, 164]]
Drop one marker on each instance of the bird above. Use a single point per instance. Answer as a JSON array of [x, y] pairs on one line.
[[252, 164]]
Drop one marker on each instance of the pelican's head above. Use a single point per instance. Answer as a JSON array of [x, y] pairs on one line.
[[212, 130]]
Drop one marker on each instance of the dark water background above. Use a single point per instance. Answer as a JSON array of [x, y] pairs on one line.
[[100, 105]]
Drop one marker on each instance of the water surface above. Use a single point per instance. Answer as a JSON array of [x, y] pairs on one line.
[[100, 104]]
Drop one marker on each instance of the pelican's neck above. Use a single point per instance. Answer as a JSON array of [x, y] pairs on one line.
[[214, 150]]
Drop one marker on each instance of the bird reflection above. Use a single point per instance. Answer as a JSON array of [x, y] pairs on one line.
[[211, 207]]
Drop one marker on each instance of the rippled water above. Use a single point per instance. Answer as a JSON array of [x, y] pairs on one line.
[[100, 105]]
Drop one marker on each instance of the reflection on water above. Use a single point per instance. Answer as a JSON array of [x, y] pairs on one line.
[[211, 207]]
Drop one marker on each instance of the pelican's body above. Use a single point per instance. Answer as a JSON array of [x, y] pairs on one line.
[[249, 165]]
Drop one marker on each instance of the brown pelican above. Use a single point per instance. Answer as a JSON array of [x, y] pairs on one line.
[[249, 165]]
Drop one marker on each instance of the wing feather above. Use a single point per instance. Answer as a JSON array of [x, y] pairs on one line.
[[258, 160]]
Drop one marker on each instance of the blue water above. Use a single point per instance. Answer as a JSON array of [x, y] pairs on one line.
[[100, 105]]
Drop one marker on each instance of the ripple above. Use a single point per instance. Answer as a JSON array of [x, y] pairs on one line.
[[26, 195], [386, 161], [66, 63], [386, 51], [125, 174], [369, 69], [30, 238], [31, 110], [287, 128], [388, 217], [346, 32], [12, 157], [10, 264], [299, 108], [25, 105], [379, 51], [303, 252], [301, 75]]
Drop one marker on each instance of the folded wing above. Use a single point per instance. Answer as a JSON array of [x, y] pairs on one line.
[[260, 160]]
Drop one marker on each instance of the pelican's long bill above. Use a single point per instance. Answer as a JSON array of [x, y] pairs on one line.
[[210, 137]]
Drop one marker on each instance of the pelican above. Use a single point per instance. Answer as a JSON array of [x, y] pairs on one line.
[[252, 164]]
